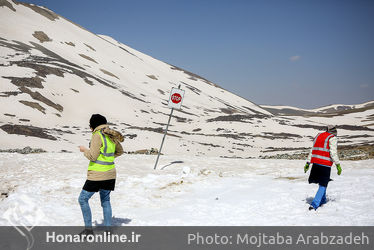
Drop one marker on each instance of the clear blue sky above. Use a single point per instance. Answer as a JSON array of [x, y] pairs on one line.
[[304, 53]]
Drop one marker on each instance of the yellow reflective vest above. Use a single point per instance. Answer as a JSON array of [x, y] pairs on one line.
[[105, 161]]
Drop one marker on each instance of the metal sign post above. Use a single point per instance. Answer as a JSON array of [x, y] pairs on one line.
[[163, 138], [175, 101]]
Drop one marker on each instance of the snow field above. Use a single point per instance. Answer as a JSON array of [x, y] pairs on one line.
[[44, 188]]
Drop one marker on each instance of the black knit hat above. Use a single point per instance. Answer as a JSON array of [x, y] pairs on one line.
[[97, 120]]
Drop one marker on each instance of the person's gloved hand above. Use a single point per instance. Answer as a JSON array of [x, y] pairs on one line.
[[339, 169], [306, 167]]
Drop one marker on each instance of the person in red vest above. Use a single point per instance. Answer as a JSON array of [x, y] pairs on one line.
[[323, 154]]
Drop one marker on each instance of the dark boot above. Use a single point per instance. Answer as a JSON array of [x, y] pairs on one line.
[[86, 231]]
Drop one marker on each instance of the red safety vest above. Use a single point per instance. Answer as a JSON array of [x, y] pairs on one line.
[[321, 149]]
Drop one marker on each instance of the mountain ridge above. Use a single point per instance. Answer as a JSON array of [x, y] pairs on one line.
[[332, 109]]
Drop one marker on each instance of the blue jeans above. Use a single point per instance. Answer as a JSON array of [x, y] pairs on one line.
[[320, 197], [105, 203]]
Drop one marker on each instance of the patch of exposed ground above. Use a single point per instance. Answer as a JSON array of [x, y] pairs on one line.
[[228, 111], [207, 111], [152, 77], [272, 149], [210, 145], [109, 73], [346, 127], [10, 93], [48, 53], [6, 4], [70, 43], [354, 128], [182, 119], [282, 135], [37, 96], [42, 11], [152, 151], [41, 69], [252, 110], [369, 118], [28, 131], [121, 48], [41, 36], [126, 93], [240, 136], [185, 112], [229, 106], [178, 118], [194, 76], [173, 184], [6, 189], [25, 150], [243, 145], [33, 105], [347, 137], [156, 130], [345, 152], [89, 47], [88, 82], [130, 136], [163, 124], [15, 45], [237, 118], [61, 132], [192, 88], [240, 149], [88, 58], [31, 82], [356, 152]]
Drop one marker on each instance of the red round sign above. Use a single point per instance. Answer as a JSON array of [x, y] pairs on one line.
[[176, 98]]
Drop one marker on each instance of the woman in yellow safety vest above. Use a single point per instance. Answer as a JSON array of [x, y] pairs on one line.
[[105, 145]]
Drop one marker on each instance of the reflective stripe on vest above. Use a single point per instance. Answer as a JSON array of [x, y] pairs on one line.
[[321, 150], [327, 140], [321, 157], [105, 161]]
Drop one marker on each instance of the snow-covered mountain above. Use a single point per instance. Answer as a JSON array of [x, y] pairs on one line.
[[330, 110], [54, 74]]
